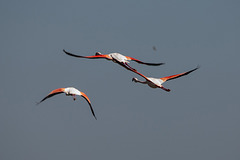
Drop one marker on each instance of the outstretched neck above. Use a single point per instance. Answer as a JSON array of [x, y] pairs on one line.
[[138, 81]]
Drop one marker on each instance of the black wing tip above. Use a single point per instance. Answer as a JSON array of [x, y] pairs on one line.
[[90, 105], [37, 103], [93, 112], [198, 66], [65, 51], [160, 64], [153, 64]]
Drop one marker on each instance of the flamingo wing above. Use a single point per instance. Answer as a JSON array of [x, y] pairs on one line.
[[178, 75], [138, 61], [53, 93], [91, 57], [89, 102]]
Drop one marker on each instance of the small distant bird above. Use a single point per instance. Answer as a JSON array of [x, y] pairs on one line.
[[115, 57], [157, 82], [69, 91], [154, 48]]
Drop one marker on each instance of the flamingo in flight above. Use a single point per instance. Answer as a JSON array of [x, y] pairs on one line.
[[157, 82], [115, 57], [69, 91]]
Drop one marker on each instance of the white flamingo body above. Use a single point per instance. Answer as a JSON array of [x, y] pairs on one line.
[[119, 57], [151, 82], [69, 91], [154, 82], [72, 91], [115, 57], [157, 82]]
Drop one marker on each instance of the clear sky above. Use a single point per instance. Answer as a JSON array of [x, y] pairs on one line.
[[199, 118]]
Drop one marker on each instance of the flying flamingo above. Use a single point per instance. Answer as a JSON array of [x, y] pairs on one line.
[[69, 91], [157, 82], [115, 57]]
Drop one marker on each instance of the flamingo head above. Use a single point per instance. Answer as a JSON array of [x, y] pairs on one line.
[[135, 79], [98, 53]]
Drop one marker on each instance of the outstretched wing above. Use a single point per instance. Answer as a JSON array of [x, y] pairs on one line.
[[92, 57], [138, 61], [89, 102], [53, 93], [178, 75]]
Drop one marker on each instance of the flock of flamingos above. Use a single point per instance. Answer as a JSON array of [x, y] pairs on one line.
[[123, 61]]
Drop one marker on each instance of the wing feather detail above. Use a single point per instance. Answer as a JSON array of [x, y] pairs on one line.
[[53, 93], [138, 61], [89, 102], [178, 75]]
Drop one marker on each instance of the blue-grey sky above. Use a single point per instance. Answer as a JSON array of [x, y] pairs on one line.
[[199, 119]]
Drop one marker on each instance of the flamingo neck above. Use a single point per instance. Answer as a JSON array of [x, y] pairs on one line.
[[143, 82]]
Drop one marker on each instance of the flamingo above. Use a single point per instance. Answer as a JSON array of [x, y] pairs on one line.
[[115, 57], [157, 82], [69, 91]]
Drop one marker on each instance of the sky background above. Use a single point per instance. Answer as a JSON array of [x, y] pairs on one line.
[[199, 118]]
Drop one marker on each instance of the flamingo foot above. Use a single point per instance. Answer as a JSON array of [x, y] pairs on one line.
[[168, 90], [74, 97]]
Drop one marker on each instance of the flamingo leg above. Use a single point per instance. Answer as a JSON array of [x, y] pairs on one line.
[[74, 97], [129, 66], [168, 90]]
